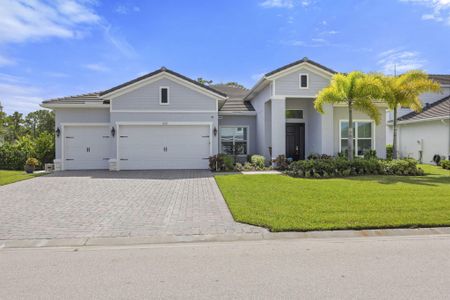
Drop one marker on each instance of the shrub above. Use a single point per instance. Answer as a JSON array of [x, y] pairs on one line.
[[318, 156], [31, 161], [324, 168], [445, 164], [11, 157], [228, 162], [258, 161], [389, 152], [216, 163], [281, 162], [370, 154]]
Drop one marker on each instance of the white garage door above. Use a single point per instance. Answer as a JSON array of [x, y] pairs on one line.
[[87, 147], [163, 147]]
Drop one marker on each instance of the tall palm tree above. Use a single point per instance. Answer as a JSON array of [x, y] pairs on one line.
[[403, 91], [356, 90]]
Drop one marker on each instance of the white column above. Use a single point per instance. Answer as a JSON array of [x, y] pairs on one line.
[[327, 131], [278, 127]]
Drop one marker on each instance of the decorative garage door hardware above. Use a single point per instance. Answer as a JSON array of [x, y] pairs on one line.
[[88, 149], [69, 137], [124, 136]]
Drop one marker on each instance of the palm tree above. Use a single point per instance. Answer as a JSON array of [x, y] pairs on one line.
[[403, 91], [356, 90]]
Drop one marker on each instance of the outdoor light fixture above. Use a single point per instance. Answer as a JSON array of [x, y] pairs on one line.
[[113, 131], [57, 131], [215, 131]]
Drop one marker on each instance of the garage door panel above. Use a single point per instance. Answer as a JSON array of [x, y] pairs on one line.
[[87, 147], [164, 147]]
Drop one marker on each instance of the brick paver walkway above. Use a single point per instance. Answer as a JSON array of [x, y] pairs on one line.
[[77, 204]]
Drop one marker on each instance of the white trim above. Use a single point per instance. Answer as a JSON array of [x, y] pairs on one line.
[[300, 81], [379, 104], [355, 132], [118, 124], [235, 126], [160, 95], [162, 111], [280, 97], [303, 65], [157, 77], [391, 123], [237, 113], [274, 90], [71, 105], [63, 139]]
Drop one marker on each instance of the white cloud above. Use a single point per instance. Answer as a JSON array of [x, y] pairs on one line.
[[23, 20], [18, 96], [124, 9], [440, 9], [277, 4], [5, 61], [400, 60], [96, 67]]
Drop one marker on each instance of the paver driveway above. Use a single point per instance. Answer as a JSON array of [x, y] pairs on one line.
[[77, 204]]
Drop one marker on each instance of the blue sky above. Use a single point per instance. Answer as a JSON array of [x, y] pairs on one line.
[[66, 47]]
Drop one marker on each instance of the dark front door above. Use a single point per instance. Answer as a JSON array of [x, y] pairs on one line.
[[295, 141]]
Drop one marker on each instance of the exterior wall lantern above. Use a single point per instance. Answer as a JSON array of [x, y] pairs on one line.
[[113, 131], [58, 131], [215, 131]]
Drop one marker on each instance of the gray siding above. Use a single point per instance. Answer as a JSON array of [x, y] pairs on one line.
[[262, 132], [341, 113], [180, 98], [289, 84], [167, 117], [78, 115], [249, 121]]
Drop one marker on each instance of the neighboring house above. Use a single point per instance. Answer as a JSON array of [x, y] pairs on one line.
[[426, 134], [164, 120]]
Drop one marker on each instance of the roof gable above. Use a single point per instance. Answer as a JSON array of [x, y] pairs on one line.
[[438, 109], [137, 82], [302, 61]]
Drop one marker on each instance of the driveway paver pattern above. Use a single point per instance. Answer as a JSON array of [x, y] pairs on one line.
[[76, 204]]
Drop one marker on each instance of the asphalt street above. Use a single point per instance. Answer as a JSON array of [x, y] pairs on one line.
[[335, 268]]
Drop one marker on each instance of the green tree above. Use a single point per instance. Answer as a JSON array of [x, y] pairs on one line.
[[235, 84], [2, 124], [204, 81], [14, 126], [358, 91], [404, 91], [40, 121]]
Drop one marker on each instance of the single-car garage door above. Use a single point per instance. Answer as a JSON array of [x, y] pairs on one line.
[[86, 147], [164, 147]]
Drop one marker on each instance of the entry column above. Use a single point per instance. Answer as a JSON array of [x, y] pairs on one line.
[[278, 127]]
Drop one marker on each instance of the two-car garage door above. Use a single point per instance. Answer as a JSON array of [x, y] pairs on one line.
[[139, 147], [163, 147]]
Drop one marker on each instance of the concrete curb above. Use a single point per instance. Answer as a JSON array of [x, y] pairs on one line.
[[168, 239]]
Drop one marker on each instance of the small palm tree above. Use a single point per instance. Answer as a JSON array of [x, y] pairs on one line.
[[356, 90], [404, 91]]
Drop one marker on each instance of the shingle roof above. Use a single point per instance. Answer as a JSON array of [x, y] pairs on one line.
[[441, 78], [303, 60], [436, 109], [78, 99], [235, 101], [163, 69]]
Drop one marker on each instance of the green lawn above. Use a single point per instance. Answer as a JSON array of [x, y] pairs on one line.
[[282, 203], [7, 176]]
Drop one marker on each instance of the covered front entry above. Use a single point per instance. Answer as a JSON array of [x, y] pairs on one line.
[[295, 141], [145, 147]]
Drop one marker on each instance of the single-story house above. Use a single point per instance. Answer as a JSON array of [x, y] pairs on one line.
[[425, 134], [164, 120]]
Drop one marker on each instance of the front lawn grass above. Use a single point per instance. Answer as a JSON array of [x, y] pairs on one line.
[[8, 176], [283, 203]]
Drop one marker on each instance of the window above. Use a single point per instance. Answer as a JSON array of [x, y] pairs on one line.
[[362, 136], [234, 140], [164, 96], [294, 113], [304, 81]]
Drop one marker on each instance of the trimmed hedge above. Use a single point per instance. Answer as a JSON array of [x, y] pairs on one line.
[[445, 164], [336, 167]]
